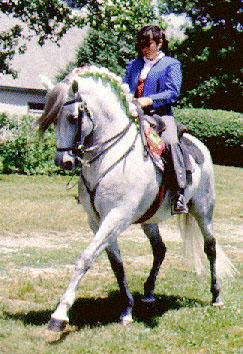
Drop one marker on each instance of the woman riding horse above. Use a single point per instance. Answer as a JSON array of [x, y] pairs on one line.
[[155, 79]]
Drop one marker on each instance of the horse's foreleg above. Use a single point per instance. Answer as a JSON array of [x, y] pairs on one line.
[[159, 250], [113, 253], [109, 229]]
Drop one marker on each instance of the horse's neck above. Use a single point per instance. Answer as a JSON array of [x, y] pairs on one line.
[[107, 112], [106, 129], [109, 118]]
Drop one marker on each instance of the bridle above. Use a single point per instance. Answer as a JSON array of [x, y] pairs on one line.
[[79, 148], [96, 151]]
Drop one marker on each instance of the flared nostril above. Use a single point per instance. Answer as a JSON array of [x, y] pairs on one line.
[[68, 165]]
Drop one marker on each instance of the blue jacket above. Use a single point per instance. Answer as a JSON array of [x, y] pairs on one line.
[[162, 84]]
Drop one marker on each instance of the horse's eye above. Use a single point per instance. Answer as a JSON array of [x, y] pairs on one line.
[[72, 119]]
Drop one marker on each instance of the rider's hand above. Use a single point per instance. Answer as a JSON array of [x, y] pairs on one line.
[[145, 101]]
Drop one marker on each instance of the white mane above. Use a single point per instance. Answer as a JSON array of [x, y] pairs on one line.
[[122, 89]]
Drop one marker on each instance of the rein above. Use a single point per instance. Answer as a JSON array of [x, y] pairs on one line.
[[79, 149], [114, 140], [92, 191]]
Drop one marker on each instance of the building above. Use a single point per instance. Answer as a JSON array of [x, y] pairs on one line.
[[25, 94]]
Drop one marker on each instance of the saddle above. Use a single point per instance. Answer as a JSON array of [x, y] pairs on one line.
[[152, 135], [151, 130]]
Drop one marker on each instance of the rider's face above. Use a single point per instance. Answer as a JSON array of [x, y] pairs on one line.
[[150, 50]]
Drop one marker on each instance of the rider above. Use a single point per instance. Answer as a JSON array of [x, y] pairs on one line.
[[155, 79]]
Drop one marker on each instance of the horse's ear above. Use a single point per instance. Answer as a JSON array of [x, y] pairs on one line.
[[46, 82], [75, 86]]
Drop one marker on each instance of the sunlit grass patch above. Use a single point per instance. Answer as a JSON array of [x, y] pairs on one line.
[[43, 232]]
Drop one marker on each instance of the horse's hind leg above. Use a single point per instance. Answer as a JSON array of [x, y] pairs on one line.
[[159, 249], [210, 250], [113, 253], [204, 220]]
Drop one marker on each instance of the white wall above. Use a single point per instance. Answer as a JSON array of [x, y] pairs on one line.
[[17, 102]]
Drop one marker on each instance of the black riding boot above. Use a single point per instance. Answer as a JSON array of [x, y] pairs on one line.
[[180, 206]]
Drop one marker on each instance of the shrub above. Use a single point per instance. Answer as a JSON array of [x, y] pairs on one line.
[[23, 152], [21, 149], [220, 131]]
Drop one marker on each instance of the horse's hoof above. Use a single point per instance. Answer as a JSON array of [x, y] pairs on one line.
[[126, 320], [52, 337], [126, 317], [218, 303], [148, 299], [56, 325]]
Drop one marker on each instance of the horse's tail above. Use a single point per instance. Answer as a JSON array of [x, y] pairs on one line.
[[193, 249]]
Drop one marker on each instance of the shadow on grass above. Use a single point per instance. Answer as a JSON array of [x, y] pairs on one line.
[[149, 314], [95, 312]]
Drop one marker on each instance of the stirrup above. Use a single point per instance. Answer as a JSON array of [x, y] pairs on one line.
[[179, 206]]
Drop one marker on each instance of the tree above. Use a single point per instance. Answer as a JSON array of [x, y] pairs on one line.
[[112, 23], [211, 53], [41, 18], [113, 27]]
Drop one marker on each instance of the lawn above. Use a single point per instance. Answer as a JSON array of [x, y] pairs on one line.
[[43, 230]]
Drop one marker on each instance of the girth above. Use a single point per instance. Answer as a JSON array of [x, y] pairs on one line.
[[154, 206]]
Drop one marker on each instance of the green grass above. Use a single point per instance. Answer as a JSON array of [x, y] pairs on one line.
[[37, 203], [43, 230], [229, 188]]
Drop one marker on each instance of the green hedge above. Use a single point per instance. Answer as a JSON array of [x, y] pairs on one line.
[[23, 152], [21, 149], [221, 131]]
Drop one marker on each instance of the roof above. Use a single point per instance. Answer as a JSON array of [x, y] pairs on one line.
[[22, 89], [46, 60]]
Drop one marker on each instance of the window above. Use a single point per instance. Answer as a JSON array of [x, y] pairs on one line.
[[35, 107]]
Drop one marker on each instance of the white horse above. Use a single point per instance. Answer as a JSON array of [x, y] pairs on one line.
[[92, 110]]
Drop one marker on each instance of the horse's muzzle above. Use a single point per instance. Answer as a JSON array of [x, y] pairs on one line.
[[65, 160]]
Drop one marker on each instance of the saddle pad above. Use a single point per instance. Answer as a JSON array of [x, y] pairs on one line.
[[155, 144], [156, 148]]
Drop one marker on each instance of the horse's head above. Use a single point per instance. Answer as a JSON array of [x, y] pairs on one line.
[[108, 100], [66, 109], [72, 127]]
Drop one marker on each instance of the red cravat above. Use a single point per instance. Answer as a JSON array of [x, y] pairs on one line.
[[140, 88]]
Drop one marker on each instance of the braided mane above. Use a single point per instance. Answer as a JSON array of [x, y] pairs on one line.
[[122, 89], [59, 94]]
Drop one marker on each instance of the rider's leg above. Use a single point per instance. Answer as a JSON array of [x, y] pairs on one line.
[[173, 145]]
